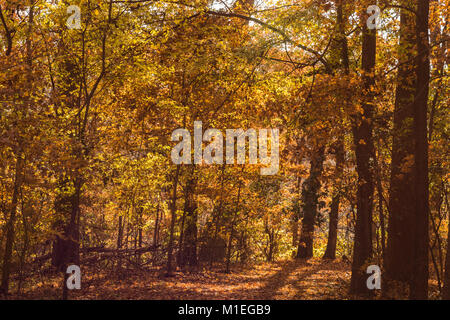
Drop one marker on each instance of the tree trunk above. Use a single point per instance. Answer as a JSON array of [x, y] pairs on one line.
[[120, 232], [341, 39], [330, 252], [26, 244], [233, 221], [295, 219], [180, 254], [6, 268], [156, 231], [407, 247], [310, 195], [20, 162], [446, 289], [119, 241], [189, 241], [363, 142], [399, 251], [218, 216], [173, 213], [66, 246], [296, 213], [419, 284]]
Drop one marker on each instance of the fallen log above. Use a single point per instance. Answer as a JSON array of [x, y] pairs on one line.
[[48, 256]]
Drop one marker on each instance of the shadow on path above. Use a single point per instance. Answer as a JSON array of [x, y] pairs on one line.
[[283, 277]]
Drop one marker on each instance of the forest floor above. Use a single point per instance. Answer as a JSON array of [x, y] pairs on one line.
[[298, 279]]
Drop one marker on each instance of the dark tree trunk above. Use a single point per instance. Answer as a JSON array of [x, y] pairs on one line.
[[233, 222], [271, 235], [330, 252], [271, 243], [180, 254], [120, 233], [119, 241], [341, 39], [138, 241], [66, 247], [363, 142], [399, 250], [446, 289], [419, 284], [69, 245], [218, 216], [26, 245], [140, 227], [6, 267], [295, 219], [296, 213], [189, 241], [380, 205], [229, 246], [173, 213], [407, 247], [156, 231], [310, 196], [20, 162]]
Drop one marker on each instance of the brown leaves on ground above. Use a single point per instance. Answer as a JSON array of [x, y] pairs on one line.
[[299, 279]]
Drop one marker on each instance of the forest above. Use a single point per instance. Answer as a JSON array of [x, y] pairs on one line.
[[224, 149]]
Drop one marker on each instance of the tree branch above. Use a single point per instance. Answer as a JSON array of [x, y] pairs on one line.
[[7, 33], [286, 38]]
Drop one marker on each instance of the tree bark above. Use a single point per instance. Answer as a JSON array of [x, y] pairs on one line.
[[218, 216], [446, 289], [6, 267], [156, 231], [363, 142], [120, 232], [233, 221], [189, 241], [380, 206], [310, 195], [330, 252], [419, 284], [407, 247], [20, 162], [173, 213]]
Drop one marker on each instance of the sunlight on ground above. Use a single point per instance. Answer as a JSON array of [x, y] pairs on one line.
[[314, 279]]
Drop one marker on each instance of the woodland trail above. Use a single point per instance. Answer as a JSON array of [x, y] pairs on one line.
[[299, 279]]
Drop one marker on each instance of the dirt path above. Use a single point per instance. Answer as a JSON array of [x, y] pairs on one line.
[[313, 279]]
